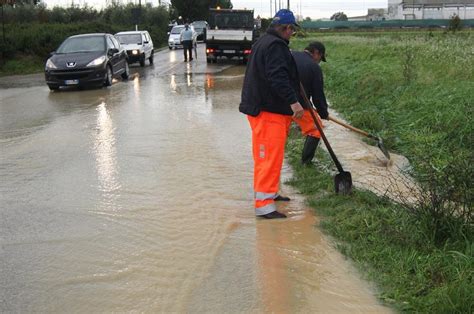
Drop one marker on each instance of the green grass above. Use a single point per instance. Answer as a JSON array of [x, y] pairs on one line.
[[415, 90], [22, 65]]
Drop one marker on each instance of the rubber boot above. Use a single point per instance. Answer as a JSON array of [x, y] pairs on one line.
[[309, 149]]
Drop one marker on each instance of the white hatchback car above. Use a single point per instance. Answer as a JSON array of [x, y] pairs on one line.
[[174, 40], [138, 44]]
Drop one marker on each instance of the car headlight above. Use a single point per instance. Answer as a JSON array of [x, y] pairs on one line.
[[96, 62], [50, 64], [135, 52]]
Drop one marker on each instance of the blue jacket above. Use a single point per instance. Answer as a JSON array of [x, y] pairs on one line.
[[271, 79], [186, 34]]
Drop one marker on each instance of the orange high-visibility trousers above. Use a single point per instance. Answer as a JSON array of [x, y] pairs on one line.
[[269, 133], [306, 124]]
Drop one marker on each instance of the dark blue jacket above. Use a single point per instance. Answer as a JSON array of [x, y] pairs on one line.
[[312, 78], [271, 79]]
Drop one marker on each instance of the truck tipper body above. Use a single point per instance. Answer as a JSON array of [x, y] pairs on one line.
[[231, 34]]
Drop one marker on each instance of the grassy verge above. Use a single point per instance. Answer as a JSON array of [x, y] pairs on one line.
[[388, 243], [414, 89], [22, 65]]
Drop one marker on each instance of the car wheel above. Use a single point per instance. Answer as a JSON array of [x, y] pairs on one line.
[[142, 60], [209, 60], [171, 48], [108, 76], [126, 73], [53, 87], [151, 58]]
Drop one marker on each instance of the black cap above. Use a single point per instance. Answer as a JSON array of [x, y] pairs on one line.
[[316, 45]]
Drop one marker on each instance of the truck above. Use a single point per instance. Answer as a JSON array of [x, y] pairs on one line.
[[231, 34]]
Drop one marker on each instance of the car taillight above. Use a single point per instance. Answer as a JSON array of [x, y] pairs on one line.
[[210, 50], [247, 51]]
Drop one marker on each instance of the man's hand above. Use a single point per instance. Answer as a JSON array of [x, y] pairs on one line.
[[323, 114], [298, 110]]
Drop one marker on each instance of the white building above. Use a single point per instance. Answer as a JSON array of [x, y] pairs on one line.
[[429, 9]]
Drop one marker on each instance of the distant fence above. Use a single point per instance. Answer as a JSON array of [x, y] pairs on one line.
[[382, 24]]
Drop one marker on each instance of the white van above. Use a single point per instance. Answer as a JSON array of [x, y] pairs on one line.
[[138, 44]]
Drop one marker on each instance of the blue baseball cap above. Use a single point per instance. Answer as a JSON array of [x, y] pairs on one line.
[[284, 16]]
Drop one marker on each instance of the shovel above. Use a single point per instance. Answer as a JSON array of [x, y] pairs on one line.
[[376, 138], [343, 180]]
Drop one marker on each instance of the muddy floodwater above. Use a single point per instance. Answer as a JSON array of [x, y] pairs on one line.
[[138, 198]]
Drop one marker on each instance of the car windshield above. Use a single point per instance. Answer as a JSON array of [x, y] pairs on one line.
[[177, 29], [82, 44], [130, 39]]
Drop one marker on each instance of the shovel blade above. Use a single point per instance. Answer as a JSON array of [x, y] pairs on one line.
[[343, 183], [382, 148]]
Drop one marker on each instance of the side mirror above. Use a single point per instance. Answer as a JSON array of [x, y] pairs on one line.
[[145, 42], [51, 54], [112, 51]]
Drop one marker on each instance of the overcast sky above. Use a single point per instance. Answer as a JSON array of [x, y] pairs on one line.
[[313, 8]]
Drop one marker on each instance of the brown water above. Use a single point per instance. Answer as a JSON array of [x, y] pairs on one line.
[[138, 198], [369, 167]]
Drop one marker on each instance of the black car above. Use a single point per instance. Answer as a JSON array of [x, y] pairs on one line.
[[88, 59]]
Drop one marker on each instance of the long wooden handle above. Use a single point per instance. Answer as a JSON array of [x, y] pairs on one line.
[[320, 129], [350, 127]]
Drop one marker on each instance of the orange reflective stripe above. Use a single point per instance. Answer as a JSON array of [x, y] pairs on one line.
[[306, 124], [269, 133]]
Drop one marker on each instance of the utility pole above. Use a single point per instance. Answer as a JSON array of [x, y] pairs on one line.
[[288, 5], [3, 26]]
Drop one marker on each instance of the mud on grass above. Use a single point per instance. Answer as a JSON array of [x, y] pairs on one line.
[[387, 243]]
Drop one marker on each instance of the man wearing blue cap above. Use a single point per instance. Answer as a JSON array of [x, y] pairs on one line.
[[270, 101]]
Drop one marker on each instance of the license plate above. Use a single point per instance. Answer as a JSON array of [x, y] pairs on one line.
[[71, 82], [229, 51]]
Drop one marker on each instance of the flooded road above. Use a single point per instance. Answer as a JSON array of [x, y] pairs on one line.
[[138, 197]]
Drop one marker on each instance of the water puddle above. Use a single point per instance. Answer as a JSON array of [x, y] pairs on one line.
[[138, 198], [370, 169]]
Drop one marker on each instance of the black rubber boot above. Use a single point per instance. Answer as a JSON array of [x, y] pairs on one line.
[[282, 198], [309, 149], [273, 215]]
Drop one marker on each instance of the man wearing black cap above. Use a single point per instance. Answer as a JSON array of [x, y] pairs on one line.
[[311, 77], [270, 100]]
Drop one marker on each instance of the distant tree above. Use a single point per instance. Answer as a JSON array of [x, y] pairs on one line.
[[307, 19], [339, 16], [22, 2], [223, 4], [455, 23]]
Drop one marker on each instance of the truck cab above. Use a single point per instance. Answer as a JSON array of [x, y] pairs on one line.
[[231, 34]]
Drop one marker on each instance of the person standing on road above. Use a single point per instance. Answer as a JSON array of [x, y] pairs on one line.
[[186, 38], [311, 76], [270, 100]]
